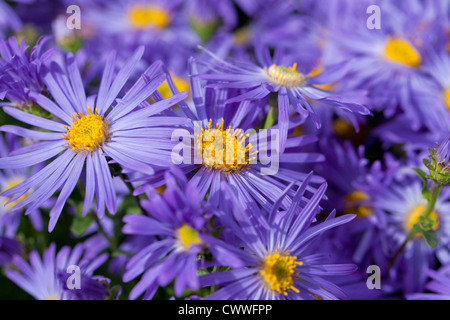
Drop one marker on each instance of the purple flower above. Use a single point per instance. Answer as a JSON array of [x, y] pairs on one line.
[[400, 205], [281, 262], [47, 278], [82, 136], [274, 74], [259, 184], [180, 222], [159, 25], [21, 72], [387, 61], [10, 217]]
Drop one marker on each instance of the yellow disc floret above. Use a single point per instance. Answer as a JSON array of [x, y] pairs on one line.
[[287, 77], [144, 16], [224, 149], [402, 51], [88, 132], [187, 236], [352, 206], [278, 272], [447, 97], [413, 217]]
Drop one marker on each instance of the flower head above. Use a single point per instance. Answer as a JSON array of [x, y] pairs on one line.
[[280, 262], [84, 140], [47, 278], [181, 220]]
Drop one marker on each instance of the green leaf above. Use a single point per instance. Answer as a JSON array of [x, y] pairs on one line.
[[270, 119], [79, 223], [430, 238], [425, 191]]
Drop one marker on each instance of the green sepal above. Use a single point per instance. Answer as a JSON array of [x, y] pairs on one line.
[[425, 227], [79, 223], [430, 238], [425, 190]]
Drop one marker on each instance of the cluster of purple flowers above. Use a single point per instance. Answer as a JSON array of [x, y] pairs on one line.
[[226, 149]]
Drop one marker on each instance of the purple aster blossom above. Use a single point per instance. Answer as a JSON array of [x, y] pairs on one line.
[[437, 66], [438, 287], [47, 277], [401, 205], [82, 137], [159, 25], [273, 74], [180, 220], [21, 72], [281, 262], [10, 217], [259, 183], [387, 61]]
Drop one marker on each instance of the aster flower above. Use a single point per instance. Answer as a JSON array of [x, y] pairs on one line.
[[180, 220], [10, 217], [279, 262], [160, 25], [294, 88], [354, 184], [259, 183], [387, 61], [84, 136], [21, 72], [46, 278], [401, 205]]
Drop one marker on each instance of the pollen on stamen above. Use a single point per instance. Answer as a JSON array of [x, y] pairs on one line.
[[231, 154], [287, 77], [87, 133], [278, 272]]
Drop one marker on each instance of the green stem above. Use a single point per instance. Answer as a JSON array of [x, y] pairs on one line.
[[435, 192]]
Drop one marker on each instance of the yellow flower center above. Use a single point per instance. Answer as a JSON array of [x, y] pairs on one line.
[[315, 72], [53, 297], [143, 16], [287, 77], [88, 132], [359, 210], [10, 184], [224, 150], [413, 217], [278, 272], [402, 51], [181, 84], [447, 97], [187, 236]]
